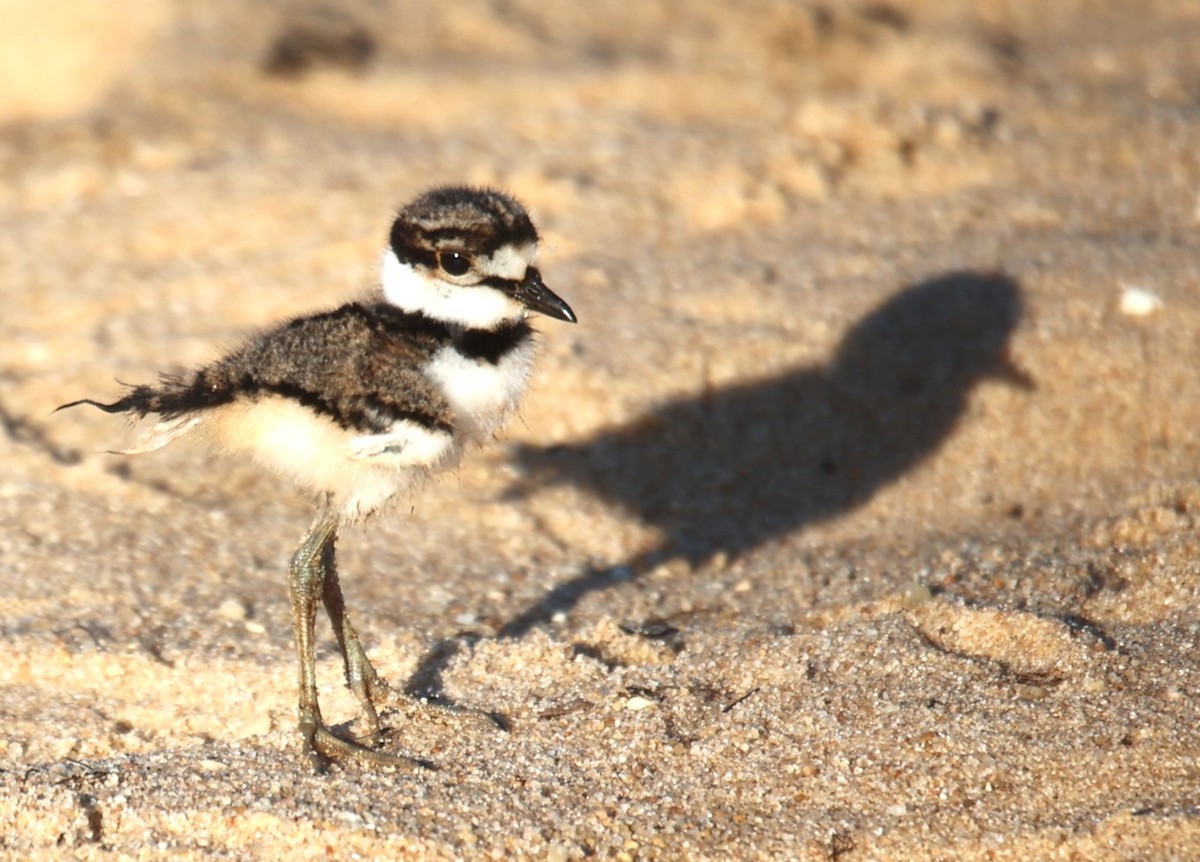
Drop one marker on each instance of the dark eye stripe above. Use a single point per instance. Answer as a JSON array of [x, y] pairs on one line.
[[410, 254], [505, 284]]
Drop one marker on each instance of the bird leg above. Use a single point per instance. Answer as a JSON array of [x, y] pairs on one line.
[[362, 678], [312, 579]]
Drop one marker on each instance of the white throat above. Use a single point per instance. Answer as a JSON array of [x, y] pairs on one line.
[[473, 307]]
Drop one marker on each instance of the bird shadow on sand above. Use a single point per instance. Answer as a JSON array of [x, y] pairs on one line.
[[726, 470]]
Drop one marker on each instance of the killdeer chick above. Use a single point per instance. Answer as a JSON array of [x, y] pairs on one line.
[[361, 403]]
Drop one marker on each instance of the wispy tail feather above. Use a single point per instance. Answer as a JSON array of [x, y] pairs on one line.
[[175, 397], [121, 406], [178, 404], [159, 435]]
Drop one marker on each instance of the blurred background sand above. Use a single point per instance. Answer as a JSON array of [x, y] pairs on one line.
[[855, 519]]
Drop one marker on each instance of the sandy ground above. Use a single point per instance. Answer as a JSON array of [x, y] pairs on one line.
[[856, 519]]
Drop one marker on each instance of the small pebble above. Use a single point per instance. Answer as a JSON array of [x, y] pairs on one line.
[[1031, 692], [917, 594], [672, 568], [231, 609]]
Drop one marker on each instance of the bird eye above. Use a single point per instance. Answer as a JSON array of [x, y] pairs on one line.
[[454, 263]]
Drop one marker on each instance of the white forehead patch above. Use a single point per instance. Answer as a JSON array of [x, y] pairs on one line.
[[509, 261]]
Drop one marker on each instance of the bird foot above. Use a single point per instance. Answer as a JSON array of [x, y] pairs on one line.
[[323, 746]]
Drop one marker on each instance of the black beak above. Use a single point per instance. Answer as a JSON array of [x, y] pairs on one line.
[[534, 295]]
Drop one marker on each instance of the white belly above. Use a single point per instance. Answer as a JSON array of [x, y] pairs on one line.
[[361, 472]]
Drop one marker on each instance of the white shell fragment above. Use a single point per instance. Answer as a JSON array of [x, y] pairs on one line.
[[1138, 301]]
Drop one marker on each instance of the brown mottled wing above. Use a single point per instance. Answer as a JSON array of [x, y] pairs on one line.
[[359, 365]]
